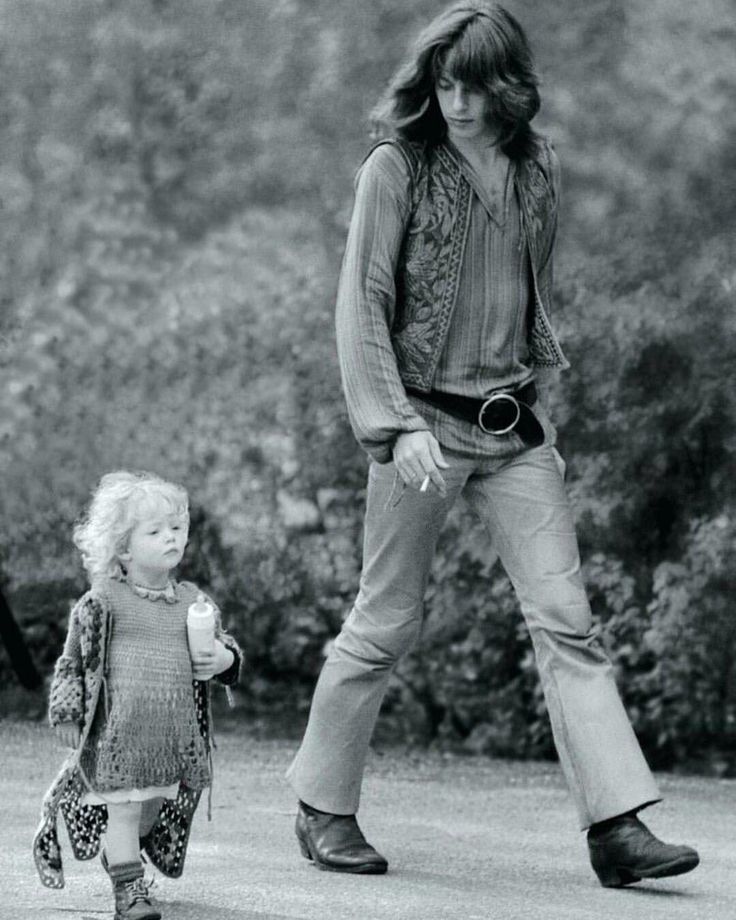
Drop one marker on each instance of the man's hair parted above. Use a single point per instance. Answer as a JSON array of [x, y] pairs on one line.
[[482, 45]]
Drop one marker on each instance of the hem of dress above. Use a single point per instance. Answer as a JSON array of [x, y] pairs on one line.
[[123, 796]]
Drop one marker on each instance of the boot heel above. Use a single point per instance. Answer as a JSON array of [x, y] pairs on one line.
[[303, 846], [614, 877], [609, 876]]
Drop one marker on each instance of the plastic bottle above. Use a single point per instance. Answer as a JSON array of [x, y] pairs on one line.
[[201, 627]]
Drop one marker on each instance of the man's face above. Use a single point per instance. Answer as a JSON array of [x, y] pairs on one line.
[[464, 108]]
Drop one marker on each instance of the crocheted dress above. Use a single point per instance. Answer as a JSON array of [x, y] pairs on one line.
[[145, 738]]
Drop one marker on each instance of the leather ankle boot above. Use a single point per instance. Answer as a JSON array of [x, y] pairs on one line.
[[131, 892], [623, 850], [336, 843]]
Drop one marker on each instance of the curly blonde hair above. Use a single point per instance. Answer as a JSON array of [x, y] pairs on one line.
[[118, 503]]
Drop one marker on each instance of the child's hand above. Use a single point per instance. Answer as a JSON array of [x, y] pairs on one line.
[[206, 664], [224, 657], [68, 734]]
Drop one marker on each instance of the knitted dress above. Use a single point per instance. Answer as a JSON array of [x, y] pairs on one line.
[[145, 738]]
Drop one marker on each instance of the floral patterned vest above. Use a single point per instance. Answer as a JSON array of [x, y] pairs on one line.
[[434, 244]]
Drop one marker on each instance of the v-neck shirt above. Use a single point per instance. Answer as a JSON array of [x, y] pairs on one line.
[[486, 345]]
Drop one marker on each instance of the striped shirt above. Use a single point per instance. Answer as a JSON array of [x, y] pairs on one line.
[[486, 345]]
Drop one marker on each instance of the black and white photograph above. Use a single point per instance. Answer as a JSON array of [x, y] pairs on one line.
[[368, 459]]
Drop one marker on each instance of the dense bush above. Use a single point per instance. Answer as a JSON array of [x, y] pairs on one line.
[[176, 184]]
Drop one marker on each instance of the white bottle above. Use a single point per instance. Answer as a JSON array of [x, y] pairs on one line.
[[201, 628]]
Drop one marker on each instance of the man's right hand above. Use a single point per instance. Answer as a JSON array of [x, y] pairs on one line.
[[417, 454]]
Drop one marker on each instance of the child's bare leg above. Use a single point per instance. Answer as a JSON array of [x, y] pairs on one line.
[[123, 863], [121, 839], [149, 813]]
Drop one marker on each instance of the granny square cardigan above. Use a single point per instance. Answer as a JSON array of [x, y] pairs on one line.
[[75, 693]]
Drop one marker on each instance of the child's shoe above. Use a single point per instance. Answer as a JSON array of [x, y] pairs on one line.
[[131, 892]]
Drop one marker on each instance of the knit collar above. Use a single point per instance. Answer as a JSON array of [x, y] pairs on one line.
[[167, 594]]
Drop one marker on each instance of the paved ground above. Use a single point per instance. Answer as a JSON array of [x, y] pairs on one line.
[[465, 837]]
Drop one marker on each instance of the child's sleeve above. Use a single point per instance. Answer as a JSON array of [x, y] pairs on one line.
[[232, 674], [66, 696]]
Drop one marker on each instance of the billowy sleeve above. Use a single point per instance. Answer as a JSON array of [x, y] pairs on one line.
[[378, 407]]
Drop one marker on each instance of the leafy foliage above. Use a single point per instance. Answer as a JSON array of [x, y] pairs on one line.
[[176, 185]]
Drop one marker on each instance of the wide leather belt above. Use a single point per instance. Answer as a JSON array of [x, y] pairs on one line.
[[499, 414]]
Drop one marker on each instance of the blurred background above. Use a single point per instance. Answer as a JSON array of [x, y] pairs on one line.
[[176, 183]]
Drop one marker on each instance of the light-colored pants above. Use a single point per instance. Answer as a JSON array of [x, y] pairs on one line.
[[525, 508]]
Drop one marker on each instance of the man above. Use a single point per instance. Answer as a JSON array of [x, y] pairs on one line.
[[444, 339]]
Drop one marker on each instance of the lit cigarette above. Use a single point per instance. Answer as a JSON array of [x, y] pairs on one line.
[[425, 484]]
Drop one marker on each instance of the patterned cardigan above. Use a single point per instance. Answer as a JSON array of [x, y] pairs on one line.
[[74, 697]]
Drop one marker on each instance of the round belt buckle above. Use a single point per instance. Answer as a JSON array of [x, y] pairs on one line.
[[500, 398]]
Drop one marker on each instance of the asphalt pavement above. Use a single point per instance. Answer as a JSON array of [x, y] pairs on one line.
[[466, 837]]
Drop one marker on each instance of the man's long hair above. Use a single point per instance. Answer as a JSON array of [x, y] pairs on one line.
[[481, 45]]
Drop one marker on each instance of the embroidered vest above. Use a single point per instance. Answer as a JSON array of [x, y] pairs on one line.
[[432, 253]]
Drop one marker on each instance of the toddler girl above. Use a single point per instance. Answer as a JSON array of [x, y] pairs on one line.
[[128, 696]]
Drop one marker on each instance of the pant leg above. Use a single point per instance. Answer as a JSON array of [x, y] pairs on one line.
[[400, 535], [526, 509]]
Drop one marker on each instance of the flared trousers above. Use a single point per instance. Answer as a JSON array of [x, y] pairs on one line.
[[524, 506]]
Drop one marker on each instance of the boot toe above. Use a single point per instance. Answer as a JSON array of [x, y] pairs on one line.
[[679, 860]]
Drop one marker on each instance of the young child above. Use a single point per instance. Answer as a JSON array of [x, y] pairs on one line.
[[129, 697]]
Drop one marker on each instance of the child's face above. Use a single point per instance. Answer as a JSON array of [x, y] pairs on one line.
[[157, 540]]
